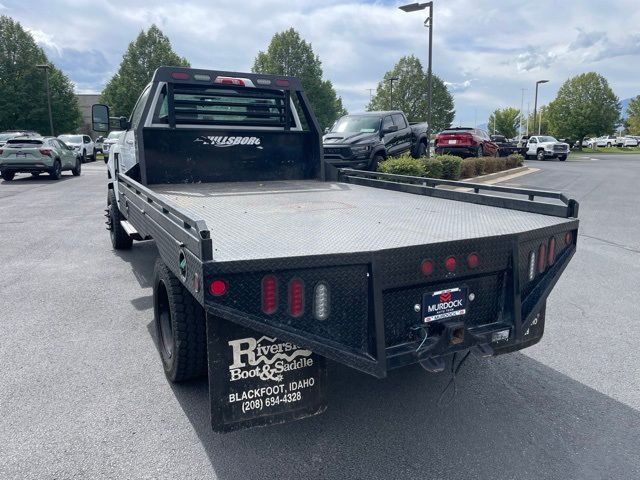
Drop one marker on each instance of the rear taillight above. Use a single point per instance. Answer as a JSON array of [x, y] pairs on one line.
[[542, 257], [450, 264], [45, 151], [269, 294], [281, 82], [568, 238], [532, 265], [551, 258], [218, 288], [229, 81], [296, 297], [321, 301], [427, 267], [473, 261], [180, 75]]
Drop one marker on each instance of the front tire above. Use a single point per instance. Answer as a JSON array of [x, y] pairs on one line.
[[422, 150], [8, 176], [84, 156], [56, 171], [373, 167], [540, 155], [480, 152], [77, 169], [120, 240], [609, 144], [562, 158], [180, 327]]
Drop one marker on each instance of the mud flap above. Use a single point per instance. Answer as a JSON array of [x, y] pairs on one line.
[[257, 380]]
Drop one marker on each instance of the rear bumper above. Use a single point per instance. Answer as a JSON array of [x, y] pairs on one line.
[[462, 151], [25, 167]]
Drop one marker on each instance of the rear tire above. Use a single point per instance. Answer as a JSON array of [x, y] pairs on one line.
[[540, 155], [56, 171], [480, 152], [180, 327], [84, 156], [8, 176], [77, 169], [120, 240], [422, 150], [35, 174]]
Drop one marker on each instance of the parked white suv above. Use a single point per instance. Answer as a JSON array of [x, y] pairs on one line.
[[626, 142], [543, 147], [81, 144]]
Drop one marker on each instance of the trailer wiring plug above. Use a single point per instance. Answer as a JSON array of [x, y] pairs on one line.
[[425, 335]]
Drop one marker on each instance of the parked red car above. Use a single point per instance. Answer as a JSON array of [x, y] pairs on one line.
[[465, 142]]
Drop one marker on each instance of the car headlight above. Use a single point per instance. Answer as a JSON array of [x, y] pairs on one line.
[[548, 147], [359, 149]]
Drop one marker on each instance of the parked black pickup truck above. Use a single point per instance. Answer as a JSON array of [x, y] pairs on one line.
[[506, 147], [362, 140], [272, 261]]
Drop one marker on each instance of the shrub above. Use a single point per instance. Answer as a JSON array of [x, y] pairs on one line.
[[404, 165], [515, 160], [501, 163], [433, 168], [479, 164], [490, 165], [468, 168], [451, 166]]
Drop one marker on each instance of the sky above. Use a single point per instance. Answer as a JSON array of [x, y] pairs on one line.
[[487, 51]]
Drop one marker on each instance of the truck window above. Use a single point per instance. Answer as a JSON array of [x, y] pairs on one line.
[[136, 115], [209, 105], [398, 119], [386, 122]]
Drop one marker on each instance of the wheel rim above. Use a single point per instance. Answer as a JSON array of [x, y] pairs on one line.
[[540, 156], [164, 322]]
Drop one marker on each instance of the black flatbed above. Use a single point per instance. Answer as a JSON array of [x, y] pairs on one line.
[[261, 220]]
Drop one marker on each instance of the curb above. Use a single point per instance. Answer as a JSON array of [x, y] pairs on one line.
[[498, 175]]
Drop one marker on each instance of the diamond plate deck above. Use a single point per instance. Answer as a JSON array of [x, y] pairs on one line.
[[251, 221]]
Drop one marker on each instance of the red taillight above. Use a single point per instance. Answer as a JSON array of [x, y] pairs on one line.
[[542, 257], [568, 238], [269, 294], [180, 75], [427, 267], [552, 251], [450, 264], [282, 82], [44, 151], [296, 297], [218, 288], [229, 81], [472, 260]]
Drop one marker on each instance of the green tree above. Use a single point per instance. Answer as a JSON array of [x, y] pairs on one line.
[[410, 94], [504, 121], [633, 116], [585, 105], [541, 123], [150, 50], [23, 94], [289, 54]]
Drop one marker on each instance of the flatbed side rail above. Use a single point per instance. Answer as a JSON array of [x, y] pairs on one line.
[[567, 208], [186, 228]]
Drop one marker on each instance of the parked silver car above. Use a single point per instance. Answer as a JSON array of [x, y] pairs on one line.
[[82, 144], [38, 155]]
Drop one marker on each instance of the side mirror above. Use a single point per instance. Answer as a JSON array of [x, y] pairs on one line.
[[99, 118], [390, 129], [124, 123]]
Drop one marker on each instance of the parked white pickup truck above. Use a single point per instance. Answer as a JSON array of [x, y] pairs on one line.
[[543, 147]]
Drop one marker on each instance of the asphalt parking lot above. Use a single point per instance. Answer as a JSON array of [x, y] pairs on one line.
[[83, 395]]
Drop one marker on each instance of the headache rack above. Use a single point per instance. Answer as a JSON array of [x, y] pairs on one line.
[[467, 192]]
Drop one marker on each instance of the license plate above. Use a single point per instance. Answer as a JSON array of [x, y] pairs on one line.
[[21, 154], [444, 304], [453, 141]]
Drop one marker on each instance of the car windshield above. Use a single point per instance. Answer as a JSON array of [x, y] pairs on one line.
[[114, 135], [357, 124], [546, 139], [71, 138]]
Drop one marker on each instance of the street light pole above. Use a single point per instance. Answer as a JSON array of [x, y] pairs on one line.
[[535, 105], [414, 7], [46, 76], [391, 80]]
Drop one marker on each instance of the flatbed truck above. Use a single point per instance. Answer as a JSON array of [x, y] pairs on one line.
[[272, 261]]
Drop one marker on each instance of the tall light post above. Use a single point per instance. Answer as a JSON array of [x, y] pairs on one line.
[[428, 23], [535, 105], [46, 68], [391, 80]]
